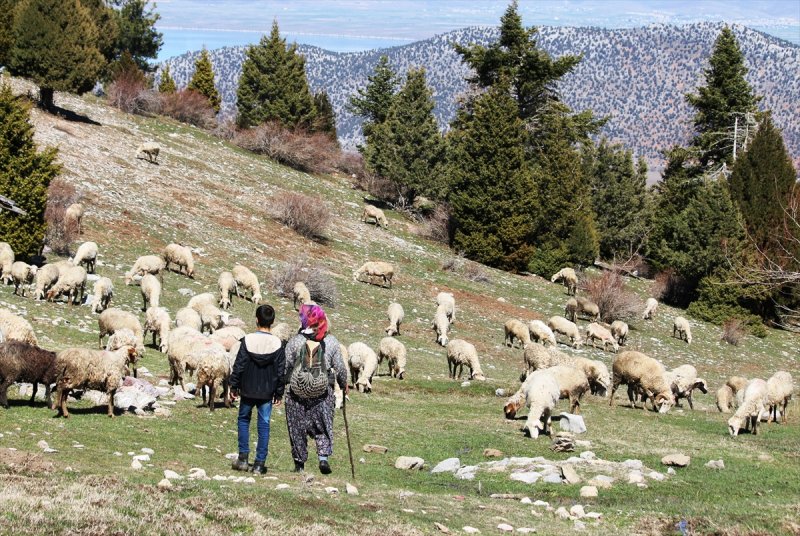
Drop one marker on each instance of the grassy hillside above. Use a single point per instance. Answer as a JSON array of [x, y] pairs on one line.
[[215, 197]]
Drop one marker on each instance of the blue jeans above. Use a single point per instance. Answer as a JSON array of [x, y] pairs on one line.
[[263, 412]]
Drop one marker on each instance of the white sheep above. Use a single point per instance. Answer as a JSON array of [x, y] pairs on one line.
[[180, 256], [214, 366], [515, 329], [780, 388], [45, 278], [227, 288], [441, 325], [563, 326], [396, 315], [212, 318], [588, 308], [246, 280], [185, 347], [569, 277], [681, 326], [394, 352], [283, 332], [595, 331], [537, 357], [650, 307], [158, 323], [6, 260], [188, 317], [572, 384], [113, 319], [73, 217], [22, 275], [300, 295], [541, 333], [571, 310], [725, 399], [641, 373], [150, 149], [80, 368], [540, 392], [151, 291], [683, 380], [460, 353], [16, 328], [146, 264], [86, 254], [363, 364], [103, 292], [125, 337], [372, 212], [71, 282], [375, 269], [447, 301], [228, 336], [198, 301], [619, 330], [749, 411]]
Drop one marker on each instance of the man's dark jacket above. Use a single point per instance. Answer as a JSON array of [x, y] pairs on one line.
[[259, 376]]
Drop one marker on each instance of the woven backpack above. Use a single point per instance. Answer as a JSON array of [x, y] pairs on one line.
[[309, 377]]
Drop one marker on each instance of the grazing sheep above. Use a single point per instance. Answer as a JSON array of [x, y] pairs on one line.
[[725, 399], [565, 327], [198, 301], [441, 325], [22, 275], [300, 295], [214, 370], [539, 332], [681, 326], [73, 217], [447, 301], [16, 328], [572, 384], [372, 212], [103, 292], [71, 282], [112, 320], [363, 364], [538, 357], [6, 260], [641, 373], [619, 330], [749, 411], [146, 264], [588, 308], [283, 332], [45, 278], [780, 388], [569, 277], [125, 337], [158, 323], [227, 288], [79, 368], [683, 380], [23, 362], [184, 349], [228, 336], [540, 392], [150, 149], [394, 352], [460, 353], [151, 291], [595, 331], [515, 329], [212, 318], [246, 280], [86, 254], [571, 310], [396, 315], [188, 317], [375, 269], [180, 256], [650, 307]]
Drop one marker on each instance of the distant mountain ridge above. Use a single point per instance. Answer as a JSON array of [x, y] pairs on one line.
[[636, 76]]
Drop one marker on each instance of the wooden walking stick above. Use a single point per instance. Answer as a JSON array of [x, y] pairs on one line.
[[347, 434]]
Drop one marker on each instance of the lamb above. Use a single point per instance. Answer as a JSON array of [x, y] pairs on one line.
[[569, 277], [540, 392], [650, 307], [150, 149], [460, 353], [588, 308], [112, 320], [188, 317], [514, 329], [79, 368], [71, 282], [565, 327], [749, 411], [212, 318], [363, 364], [396, 315], [681, 326], [146, 264], [103, 292], [539, 332], [641, 373], [213, 370], [394, 352], [185, 346], [780, 388], [619, 330], [300, 295], [375, 269], [283, 331], [6, 260], [180, 256], [73, 218], [227, 288], [571, 310], [447, 301], [158, 323], [683, 380], [228, 336], [538, 357], [595, 331], [86, 254], [246, 279], [23, 362], [441, 325], [372, 212], [16, 328], [45, 278], [22, 275], [151, 291], [198, 301]]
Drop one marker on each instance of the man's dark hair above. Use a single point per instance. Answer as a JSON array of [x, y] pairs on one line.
[[265, 316]]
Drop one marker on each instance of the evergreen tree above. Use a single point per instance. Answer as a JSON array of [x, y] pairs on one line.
[[137, 32], [372, 102], [56, 45], [25, 175], [203, 80], [325, 120], [105, 20], [6, 29], [492, 198], [583, 244], [407, 148], [273, 85], [167, 84]]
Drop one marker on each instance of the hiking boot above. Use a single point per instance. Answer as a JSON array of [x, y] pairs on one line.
[[259, 468], [299, 467], [324, 467], [240, 464]]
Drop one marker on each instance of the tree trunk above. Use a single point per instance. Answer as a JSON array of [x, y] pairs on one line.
[[46, 98]]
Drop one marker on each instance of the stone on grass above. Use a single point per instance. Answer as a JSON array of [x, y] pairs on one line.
[[655, 475], [589, 492], [528, 477], [148, 450], [196, 473], [577, 511], [505, 527], [351, 489], [670, 471], [492, 453], [676, 460], [526, 500], [526, 530], [579, 525], [552, 478], [331, 490], [172, 475], [165, 483], [219, 477], [539, 502], [450, 465], [142, 457], [588, 455], [131, 398], [42, 444], [716, 464], [232, 456], [500, 392], [441, 528], [282, 486], [376, 449], [593, 515], [470, 530], [249, 480], [409, 462], [136, 464], [562, 513], [583, 443], [635, 477], [633, 464], [572, 423], [569, 474]]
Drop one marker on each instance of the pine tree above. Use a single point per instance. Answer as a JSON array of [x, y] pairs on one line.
[[273, 85], [203, 80], [407, 148], [56, 46], [492, 196], [325, 120], [6, 29], [105, 20], [25, 175], [137, 32], [167, 84], [372, 102], [583, 244]]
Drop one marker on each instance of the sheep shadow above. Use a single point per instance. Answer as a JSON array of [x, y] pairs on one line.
[[148, 160], [217, 405], [92, 410], [24, 403]]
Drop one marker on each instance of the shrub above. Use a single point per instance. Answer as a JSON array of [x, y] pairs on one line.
[[299, 149], [130, 93], [437, 224], [352, 164], [612, 296], [733, 331], [225, 130], [190, 107], [309, 216], [471, 270], [545, 262], [719, 302], [671, 288], [59, 235], [320, 284]]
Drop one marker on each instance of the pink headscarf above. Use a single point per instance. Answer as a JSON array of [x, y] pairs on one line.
[[312, 316]]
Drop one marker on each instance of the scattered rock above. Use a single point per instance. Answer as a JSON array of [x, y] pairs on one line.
[[635, 477], [142, 457], [249, 480], [593, 515], [526, 500], [526, 530], [172, 475], [282, 486], [716, 464], [633, 464], [131, 398], [528, 477], [465, 383], [671, 471], [148, 450], [42, 444], [583, 444], [676, 460], [655, 475], [450, 465], [563, 442], [552, 478], [589, 492], [165, 484], [470, 530], [49, 450], [500, 392], [579, 525], [376, 449], [588, 455], [572, 423], [505, 527], [569, 474], [330, 490], [577, 511], [492, 453], [98, 398], [186, 292], [219, 477], [232, 456], [196, 473], [537, 502], [441, 528], [409, 462], [162, 412], [562, 513], [351, 489], [136, 464]]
